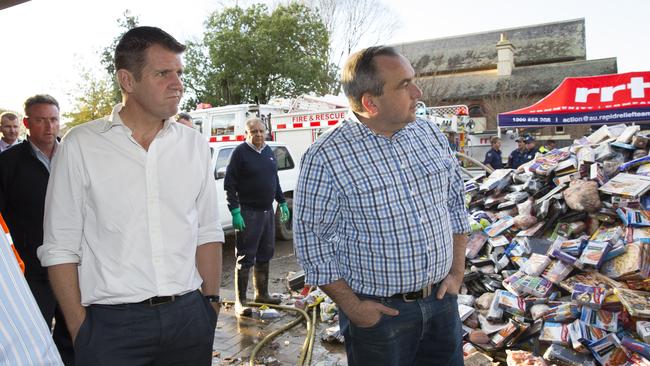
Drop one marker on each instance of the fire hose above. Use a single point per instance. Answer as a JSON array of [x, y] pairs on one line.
[[307, 347]]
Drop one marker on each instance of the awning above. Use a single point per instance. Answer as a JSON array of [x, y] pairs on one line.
[[615, 98]]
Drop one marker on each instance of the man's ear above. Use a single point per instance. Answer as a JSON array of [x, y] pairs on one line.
[[368, 103], [125, 79], [25, 123]]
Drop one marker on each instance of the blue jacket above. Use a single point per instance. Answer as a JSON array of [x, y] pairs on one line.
[[493, 158], [516, 159]]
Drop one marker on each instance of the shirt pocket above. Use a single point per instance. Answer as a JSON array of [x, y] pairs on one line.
[[372, 197], [431, 178]]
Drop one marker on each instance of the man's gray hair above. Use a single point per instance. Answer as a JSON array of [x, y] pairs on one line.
[[251, 121]]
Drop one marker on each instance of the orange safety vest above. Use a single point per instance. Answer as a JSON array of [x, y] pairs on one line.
[[11, 242]]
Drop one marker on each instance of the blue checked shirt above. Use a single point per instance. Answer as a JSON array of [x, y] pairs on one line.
[[25, 339], [379, 213]]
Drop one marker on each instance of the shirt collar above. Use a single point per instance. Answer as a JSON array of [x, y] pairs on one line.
[[38, 151], [254, 147], [361, 131], [114, 119]]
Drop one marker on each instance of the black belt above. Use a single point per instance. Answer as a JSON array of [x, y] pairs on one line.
[[159, 300], [416, 295]]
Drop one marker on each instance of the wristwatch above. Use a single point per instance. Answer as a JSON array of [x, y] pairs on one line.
[[213, 298]]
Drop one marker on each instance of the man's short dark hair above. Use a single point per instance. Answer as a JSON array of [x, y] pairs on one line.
[[39, 99], [360, 74], [10, 116], [131, 50], [184, 115]]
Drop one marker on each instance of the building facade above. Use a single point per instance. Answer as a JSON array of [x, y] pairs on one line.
[[503, 70]]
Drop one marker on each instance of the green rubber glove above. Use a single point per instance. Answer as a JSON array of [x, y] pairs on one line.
[[237, 219], [284, 212]]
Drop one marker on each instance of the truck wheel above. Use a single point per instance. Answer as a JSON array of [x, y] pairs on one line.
[[284, 230]]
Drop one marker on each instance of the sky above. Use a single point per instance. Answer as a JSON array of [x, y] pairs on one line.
[[46, 43]]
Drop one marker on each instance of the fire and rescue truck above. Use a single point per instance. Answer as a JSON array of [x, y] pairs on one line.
[[297, 130], [223, 124]]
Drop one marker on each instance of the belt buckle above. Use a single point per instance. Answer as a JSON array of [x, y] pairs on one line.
[[410, 296], [155, 301]]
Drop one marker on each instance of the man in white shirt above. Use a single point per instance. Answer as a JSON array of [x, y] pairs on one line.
[[10, 127], [127, 249]]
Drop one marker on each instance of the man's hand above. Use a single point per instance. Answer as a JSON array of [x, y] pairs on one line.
[[237, 219], [451, 284], [284, 212], [75, 324], [217, 308], [368, 313]]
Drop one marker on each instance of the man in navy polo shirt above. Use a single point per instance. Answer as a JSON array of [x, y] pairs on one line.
[[493, 156], [251, 185]]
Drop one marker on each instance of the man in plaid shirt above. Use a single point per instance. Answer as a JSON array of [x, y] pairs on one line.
[[380, 222]]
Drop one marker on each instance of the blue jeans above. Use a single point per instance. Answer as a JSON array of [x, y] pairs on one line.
[[426, 332]]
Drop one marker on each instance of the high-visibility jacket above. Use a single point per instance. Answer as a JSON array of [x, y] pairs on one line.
[[5, 230]]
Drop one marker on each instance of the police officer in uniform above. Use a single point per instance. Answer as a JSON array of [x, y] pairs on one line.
[[529, 154], [493, 156], [516, 157]]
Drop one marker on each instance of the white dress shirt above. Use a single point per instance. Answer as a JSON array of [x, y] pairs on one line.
[[4, 145], [131, 218]]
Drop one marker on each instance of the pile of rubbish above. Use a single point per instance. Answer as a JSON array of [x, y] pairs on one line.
[[559, 257]]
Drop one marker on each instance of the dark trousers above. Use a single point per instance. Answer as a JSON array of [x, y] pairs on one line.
[[426, 332], [50, 309], [173, 333], [256, 243]]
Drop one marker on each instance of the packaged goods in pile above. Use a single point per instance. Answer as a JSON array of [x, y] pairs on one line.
[[559, 256]]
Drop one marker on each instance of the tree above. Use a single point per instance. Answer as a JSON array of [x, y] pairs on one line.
[[353, 22], [128, 22], [508, 96], [94, 101], [251, 55]]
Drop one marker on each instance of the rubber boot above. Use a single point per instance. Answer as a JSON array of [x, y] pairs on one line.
[[241, 284], [261, 277]]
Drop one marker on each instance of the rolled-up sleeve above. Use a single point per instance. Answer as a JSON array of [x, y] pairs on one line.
[[315, 220], [210, 229], [64, 206], [456, 201]]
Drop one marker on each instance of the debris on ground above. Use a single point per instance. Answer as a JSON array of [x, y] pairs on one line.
[[559, 257]]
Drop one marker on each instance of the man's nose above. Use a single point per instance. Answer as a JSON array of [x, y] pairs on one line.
[[416, 93]]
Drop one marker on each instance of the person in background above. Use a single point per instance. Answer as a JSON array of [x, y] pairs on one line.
[[380, 222], [548, 146], [493, 156], [126, 249], [10, 127], [251, 185], [517, 155], [529, 153], [24, 173], [185, 119]]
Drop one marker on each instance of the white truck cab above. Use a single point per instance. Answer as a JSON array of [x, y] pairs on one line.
[[287, 173]]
